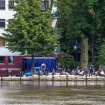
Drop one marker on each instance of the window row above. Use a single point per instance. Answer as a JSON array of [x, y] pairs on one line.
[[3, 3], [10, 59], [2, 22], [44, 5], [2, 25]]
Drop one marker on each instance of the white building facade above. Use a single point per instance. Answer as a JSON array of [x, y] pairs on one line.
[[6, 13]]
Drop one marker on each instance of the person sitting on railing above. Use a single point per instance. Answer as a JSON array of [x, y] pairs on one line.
[[73, 72], [46, 71], [81, 72], [43, 67], [102, 73], [63, 71], [68, 71], [53, 72]]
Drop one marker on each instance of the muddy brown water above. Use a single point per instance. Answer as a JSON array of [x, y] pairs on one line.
[[52, 93]]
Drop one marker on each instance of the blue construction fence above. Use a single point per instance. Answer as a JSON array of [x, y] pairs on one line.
[[50, 63]]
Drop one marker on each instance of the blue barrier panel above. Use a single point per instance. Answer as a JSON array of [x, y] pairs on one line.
[[28, 74], [50, 63], [37, 68]]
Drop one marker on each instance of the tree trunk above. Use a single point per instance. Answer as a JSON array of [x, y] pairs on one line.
[[51, 5], [32, 63], [84, 53]]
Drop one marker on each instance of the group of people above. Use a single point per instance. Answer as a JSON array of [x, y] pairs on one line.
[[42, 71], [76, 71], [88, 71]]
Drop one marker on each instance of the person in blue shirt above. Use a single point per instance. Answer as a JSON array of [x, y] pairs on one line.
[[91, 70]]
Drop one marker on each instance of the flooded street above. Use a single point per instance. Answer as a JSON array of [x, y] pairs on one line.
[[52, 93]]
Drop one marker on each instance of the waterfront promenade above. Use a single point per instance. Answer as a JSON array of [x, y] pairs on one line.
[[53, 78]]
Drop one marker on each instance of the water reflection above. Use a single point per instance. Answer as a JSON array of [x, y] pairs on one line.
[[51, 83], [52, 93]]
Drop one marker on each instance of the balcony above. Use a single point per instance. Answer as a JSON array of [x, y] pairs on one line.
[[57, 32], [55, 13], [57, 51]]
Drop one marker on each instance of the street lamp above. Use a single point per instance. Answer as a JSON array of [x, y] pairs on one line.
[[76, 48]]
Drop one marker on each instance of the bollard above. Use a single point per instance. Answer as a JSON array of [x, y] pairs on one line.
[[86, 78], [21, 74], [52, 77], [39, 84], [20, 79], [96, 79], [38, 77], [11, 78], [1, 79], [66, 79]]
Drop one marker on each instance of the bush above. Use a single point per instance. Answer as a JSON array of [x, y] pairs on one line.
[[68, 63]]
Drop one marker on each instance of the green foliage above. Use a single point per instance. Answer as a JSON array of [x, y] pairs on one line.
[[68, 63], [82, 18], [102, 55], [30, 30]]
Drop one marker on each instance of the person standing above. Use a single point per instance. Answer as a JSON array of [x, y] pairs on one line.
[[43, 67], [91, 70]]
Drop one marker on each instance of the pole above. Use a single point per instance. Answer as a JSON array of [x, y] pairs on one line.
[[52, 77], [76, 53], [38, 77], [66, 79], [20, 76], [86, 78], [39, 80], [1, 79], [76, 48]]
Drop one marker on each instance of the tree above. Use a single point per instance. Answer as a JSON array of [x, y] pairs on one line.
[[102, 55], [76, 24], [30, 30], [64, 7], [85, 19]]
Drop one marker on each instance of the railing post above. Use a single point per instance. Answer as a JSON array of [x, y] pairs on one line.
[[20, 77], [52, 77], [96, 79], [86, 78], [38, 77], [1, 79], [66, 79]]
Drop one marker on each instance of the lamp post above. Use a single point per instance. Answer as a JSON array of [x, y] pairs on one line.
[[76, 48]]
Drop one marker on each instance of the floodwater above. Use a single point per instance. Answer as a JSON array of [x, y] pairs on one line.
[[52, 93]]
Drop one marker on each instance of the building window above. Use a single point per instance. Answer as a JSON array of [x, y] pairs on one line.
[[2, 42], [2, 59], [11, 4], [2, 4], [44, 5], [2, 23], [10, 59]]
